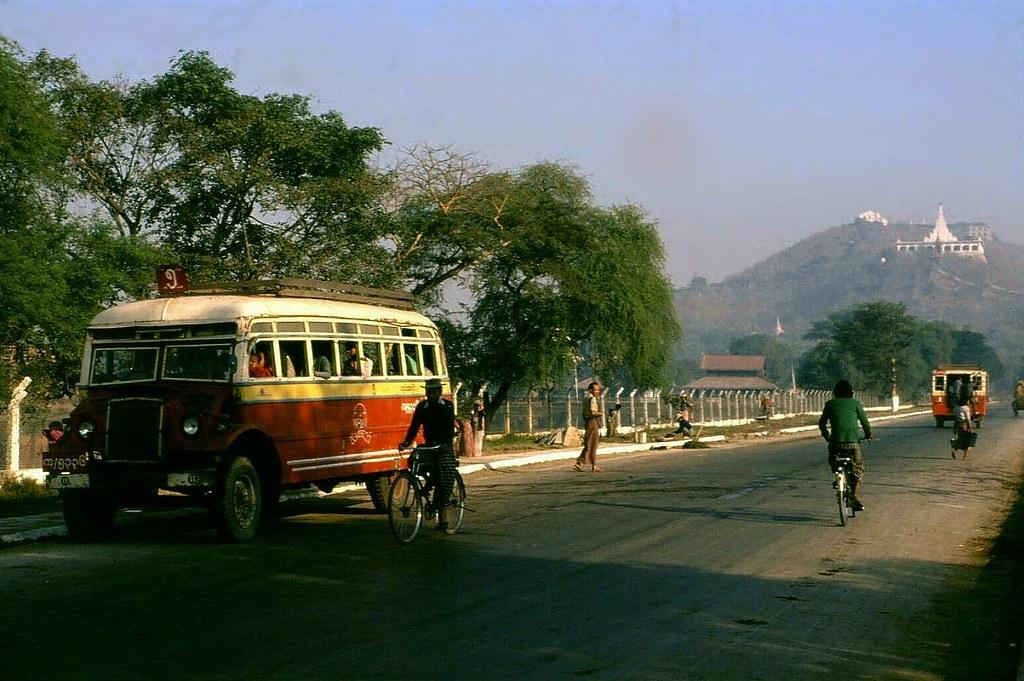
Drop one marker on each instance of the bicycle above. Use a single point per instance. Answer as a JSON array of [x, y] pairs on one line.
[[844, 490], [412, 493]]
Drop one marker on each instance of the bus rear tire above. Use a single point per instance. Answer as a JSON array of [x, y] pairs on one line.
[[238, 506], [379, 489], [88, 516], [939, 421]]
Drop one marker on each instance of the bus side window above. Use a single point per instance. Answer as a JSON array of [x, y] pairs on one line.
[[323, 359], [411, 356], [393, 353], [430, 361], [350, 358], [293, 356], [261, 360], [371, 359]]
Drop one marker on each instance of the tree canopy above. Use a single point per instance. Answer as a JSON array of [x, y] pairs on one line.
[[238, 187], [104, 180], [873, 343]]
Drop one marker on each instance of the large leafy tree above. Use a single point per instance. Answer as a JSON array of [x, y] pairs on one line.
[[566, 282], [238, 187], [970, 347], [867, 343], [57, 270]]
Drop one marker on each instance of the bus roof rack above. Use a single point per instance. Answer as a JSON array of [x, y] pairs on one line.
[[288, 287]]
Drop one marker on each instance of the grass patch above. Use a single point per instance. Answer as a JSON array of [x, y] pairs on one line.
[[24, 496]]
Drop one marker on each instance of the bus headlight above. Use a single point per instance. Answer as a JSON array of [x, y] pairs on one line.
[[86, 428], [190, 426]]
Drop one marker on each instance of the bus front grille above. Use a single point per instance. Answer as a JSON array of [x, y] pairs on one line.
[[134, 430]]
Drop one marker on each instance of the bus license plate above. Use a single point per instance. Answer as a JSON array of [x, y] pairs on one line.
[[192, 479], [68, 481]]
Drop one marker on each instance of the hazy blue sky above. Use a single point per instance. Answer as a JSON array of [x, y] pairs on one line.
[[741, 127]]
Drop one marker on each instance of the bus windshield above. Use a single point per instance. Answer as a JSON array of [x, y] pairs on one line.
[[120, 365], [198, 362], [208, 362]]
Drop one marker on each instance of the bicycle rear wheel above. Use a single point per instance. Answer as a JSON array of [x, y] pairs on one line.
[[455, 509], [841, 488], [405, 507]]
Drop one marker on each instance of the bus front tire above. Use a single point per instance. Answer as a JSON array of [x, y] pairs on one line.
[[88, 516], [239, 503]]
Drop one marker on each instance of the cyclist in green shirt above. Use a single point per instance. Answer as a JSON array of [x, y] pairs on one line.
[[838, 425]]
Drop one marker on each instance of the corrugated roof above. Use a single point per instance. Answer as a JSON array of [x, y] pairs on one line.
[[732, 362], [731, 383]]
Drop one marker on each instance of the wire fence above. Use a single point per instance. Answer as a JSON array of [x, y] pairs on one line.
[[541, 411]]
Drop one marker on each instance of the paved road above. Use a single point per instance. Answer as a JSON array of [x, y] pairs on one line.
[[697, 564]]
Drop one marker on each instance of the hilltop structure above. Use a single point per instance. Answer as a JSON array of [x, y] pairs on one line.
[[941, 241], [873, 217]]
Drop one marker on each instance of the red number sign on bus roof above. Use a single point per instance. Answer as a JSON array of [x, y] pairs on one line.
[[171, 279]]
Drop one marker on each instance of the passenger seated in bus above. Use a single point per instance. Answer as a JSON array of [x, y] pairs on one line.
[[322, 367], [391, 353], [258, 366], [350, 366], [412, 367]]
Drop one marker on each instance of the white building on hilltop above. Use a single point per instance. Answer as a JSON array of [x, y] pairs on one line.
[[873, 217], [940, 241]]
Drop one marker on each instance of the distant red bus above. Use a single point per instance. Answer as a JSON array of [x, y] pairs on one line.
[[945, 378], [232, 395]]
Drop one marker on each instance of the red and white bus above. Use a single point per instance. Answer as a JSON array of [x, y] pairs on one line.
[[233, 394], [946, 382]]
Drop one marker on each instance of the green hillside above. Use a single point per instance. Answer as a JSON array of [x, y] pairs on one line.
[[852, 264]]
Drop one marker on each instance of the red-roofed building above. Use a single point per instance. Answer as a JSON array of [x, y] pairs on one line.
[[732, 372]]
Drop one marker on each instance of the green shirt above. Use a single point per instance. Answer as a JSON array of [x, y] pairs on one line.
[[841, 415]]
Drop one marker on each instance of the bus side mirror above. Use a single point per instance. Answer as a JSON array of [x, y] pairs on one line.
[[232, 364]]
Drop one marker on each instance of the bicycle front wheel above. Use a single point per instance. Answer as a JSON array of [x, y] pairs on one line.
[[456, 506], [841, 487], [405, 507]]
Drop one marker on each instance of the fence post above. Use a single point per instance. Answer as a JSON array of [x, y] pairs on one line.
[[632, 408], [647, 418], [568, 409], [530, 395], [19, 393], [455, 396]]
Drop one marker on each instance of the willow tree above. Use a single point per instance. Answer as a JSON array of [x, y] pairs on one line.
[[567, 282]]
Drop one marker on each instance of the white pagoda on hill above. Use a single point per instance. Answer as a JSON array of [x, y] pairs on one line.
[[941, 241]]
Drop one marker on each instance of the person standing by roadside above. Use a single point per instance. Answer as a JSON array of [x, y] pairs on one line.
[[593, 417], [478, 420]]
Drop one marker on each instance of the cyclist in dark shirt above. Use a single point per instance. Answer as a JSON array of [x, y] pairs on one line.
[[436, 416], [842, 414]]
